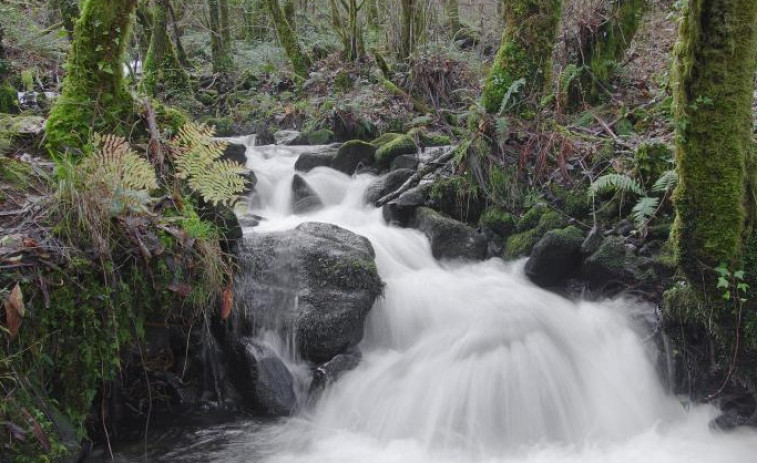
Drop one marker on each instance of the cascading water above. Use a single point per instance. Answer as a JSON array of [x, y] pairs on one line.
[[473, 363]]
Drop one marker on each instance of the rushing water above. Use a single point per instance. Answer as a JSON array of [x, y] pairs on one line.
[[466, 363]]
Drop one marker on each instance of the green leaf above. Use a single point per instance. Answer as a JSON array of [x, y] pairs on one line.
[[722, 270], [727, 295], [738, 274], [742, 287], [614, 181], [722, 282]]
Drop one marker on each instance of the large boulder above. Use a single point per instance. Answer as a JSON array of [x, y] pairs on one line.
[[315, 284], [262, 378], [613, 261], [449, 238], [286, 137], [556, 255], [401, 210], [321, 158], [386, 184], [397, 147], [353, 155], [304, 198]]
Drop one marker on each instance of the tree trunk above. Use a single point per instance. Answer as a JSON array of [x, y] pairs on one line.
[[8, 94], [715, 67], [161, 66], [225, 24], [348, 28], [288, 39], [221, 58], [181, 54], [94, 97], [372, 14], [412, 19], [526, 53], [256, 21], [601, 49]]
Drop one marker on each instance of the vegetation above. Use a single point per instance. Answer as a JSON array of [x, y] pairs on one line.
[[116, 198]]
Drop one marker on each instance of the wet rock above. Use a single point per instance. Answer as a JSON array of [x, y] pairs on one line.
[[449, 238], [402, 210], [319, 137], [262, 379], [406, 161], [235, 153], [386, 184], [353, 155], [555, 256], [304, 198], [457, 198], [286, 137], [309, 161], [333, 369], [318, 282], [592, 242], [612, 261], [397, 147]]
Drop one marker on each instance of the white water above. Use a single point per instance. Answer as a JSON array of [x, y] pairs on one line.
[[473, 363]]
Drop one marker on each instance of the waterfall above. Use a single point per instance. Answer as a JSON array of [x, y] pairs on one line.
[[470, 362]]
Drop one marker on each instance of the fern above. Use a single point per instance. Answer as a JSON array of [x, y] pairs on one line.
[[643, 211], [667, 181], [568, 75], [514, 88], [197, 155], [118, 177], [620, 182], [502, 130]]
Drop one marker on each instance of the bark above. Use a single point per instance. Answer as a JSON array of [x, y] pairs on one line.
[[94, 97], [715, 67], [161, 66], [412, 27], [221, 57], [288, 39], [526, 53]]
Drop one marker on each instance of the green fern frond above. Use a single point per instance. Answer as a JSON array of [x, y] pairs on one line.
[[567, 76], [512, 90], [197, 154], [619, 182], [667, 181], [643, 211], [502, 130]]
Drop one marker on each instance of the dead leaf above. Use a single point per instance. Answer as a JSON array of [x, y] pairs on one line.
[[181, 288], [14, 310], [227, 301]]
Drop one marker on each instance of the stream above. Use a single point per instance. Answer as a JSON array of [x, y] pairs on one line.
[[462, 362]]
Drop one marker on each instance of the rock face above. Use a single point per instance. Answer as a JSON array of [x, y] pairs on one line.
[[449, 238], [386, 184], [316, 282], [353, 155], [309, 161], [304, 199], [262, 378], [555, 256]]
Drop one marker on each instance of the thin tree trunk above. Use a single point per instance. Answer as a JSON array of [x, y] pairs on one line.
[[221, 58], [161, 64], [288, 39], [181, 54]]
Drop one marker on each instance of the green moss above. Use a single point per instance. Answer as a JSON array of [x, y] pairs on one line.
[[499, 221], [683, 303], [94, 97], [426, 138], [457, 197], [397, 147], [224, 125], [385, 138], [288, 39], [531, 228], [573, 201], [8, 99], [526, 53], [161, 66], [320, 137], [651, 160], [714, 74], [169, 117]]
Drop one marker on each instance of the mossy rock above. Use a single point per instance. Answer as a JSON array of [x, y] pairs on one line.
[[651, 160], [397, 147], [20, 130], [575, 202], [352, 155], [385, 138], [499, 221], [429, 139], [457, 197], [521, 243], [320, 137], [612, 261], [555, 255], [224, 125], [683, 303]]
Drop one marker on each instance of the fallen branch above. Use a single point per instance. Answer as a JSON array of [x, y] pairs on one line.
[[432, 166]]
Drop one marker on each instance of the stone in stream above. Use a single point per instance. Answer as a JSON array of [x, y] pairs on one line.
[[304, 199], [262, 379], [449, 238], [309, 161], [386, 184], [315, 283], [286, 137], [401, 210], [332, 370], [406, 161], [555, 256], [354, 155]]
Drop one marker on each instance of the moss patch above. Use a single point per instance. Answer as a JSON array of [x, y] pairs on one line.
[[403, 144]]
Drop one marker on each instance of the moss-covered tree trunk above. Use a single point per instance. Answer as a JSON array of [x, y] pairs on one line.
[[288, 38], [178, 32], [221, 57], [94, 97], [161, 66], [412, 27], [69, 13], [525, 53], [715, 68], [8, 94], [223, 9], [372, 14], [347, 26], [601, 49]]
